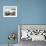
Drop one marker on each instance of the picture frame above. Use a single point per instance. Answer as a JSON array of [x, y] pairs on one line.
[[9, 11], [39, 28]]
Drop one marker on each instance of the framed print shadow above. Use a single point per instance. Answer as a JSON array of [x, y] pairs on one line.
[[9, 11]]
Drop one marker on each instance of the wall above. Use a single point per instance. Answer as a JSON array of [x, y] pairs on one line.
[[7, 25], [32, 11], [29, 12]]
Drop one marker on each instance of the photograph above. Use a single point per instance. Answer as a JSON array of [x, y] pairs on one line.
[[9, 11], [30, 33]]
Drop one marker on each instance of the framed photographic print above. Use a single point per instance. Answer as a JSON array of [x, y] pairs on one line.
[[9, 11], [33, 32]]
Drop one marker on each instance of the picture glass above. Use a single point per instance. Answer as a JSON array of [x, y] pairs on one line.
[[9, 11]]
